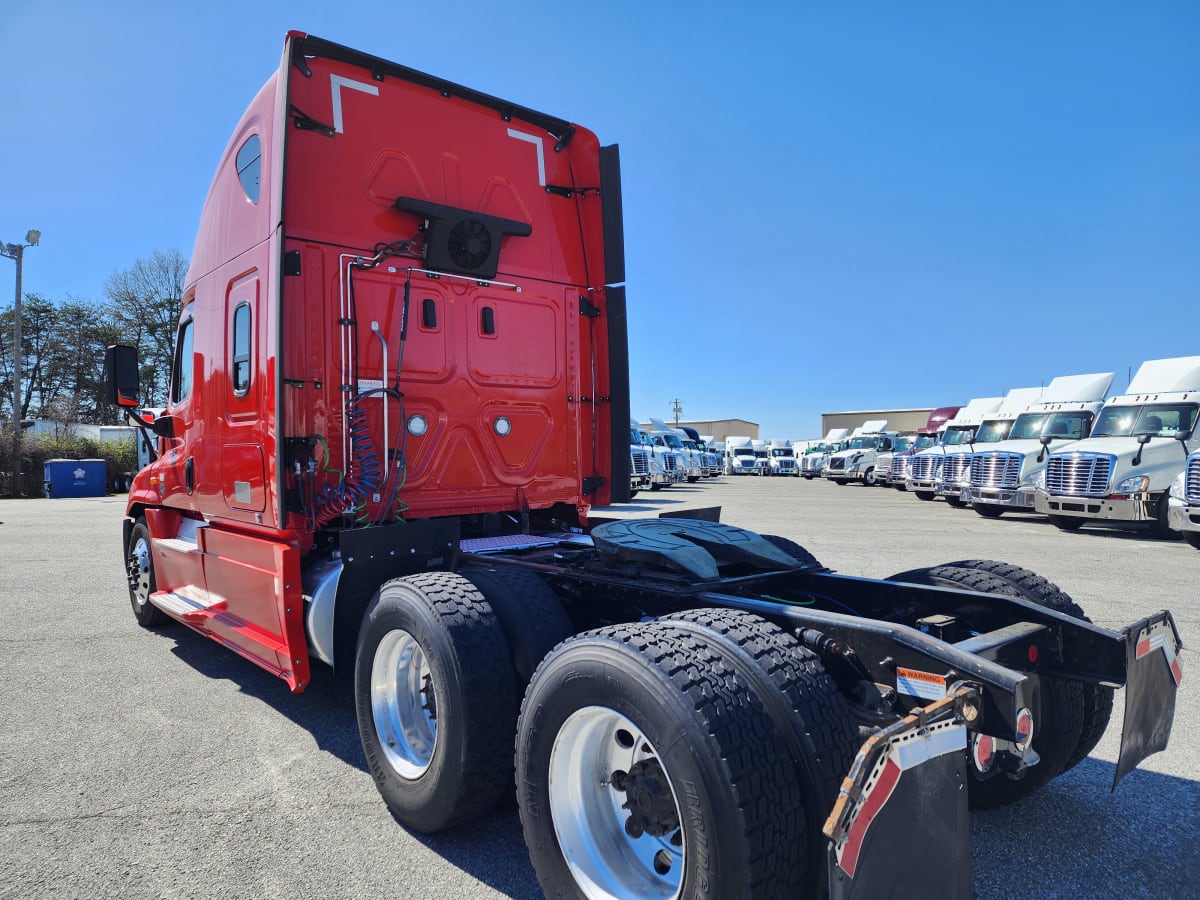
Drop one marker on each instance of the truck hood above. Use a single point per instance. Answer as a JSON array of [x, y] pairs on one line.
[[1027, 447]]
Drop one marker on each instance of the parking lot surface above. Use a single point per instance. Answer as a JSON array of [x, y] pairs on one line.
[[140, 763]]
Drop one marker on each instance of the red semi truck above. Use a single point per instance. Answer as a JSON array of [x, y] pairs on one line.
[[400, 386]]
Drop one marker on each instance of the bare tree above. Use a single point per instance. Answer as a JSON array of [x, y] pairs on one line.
[[146, 298]]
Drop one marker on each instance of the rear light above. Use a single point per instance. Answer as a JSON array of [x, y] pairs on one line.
[[983, 752], [1024, 729]]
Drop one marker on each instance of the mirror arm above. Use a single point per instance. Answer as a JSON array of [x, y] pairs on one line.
[[139, 423]]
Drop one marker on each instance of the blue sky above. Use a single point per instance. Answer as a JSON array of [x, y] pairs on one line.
[[828, 206]]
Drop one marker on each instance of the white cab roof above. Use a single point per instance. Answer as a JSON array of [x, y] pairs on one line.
[[974, 411], [1077, 388], [836, 434], [1159, 376], [874, 426], [1019, 398]]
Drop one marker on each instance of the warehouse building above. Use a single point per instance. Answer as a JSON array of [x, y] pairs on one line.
[[902, 420], [720, 428]]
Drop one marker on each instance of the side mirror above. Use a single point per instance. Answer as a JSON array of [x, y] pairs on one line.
[[1144, 438], [164, 426], [1046, 439], [121, 373]]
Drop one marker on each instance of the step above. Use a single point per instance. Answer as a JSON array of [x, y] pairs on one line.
[[190, 603]]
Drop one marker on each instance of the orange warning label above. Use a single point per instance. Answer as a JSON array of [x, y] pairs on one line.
[[916, 683]]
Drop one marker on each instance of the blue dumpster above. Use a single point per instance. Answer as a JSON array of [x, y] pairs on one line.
[[75, 478]]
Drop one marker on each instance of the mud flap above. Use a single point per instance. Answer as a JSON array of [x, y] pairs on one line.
[[1153, 675], [899, 828]]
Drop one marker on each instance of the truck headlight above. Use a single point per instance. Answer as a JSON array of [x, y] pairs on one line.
[[1039, 480], [1177, 488], [1132, 485]]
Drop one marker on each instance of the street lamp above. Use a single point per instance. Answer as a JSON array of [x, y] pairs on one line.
[[17, 252]]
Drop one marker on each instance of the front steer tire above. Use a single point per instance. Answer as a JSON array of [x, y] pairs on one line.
[[436, 700], [646, 767], [139, 570]]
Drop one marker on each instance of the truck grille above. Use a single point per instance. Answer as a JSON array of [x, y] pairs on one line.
[[955, 466], [641, 462], [837, 464], [670, 462], [812, 462], [747, 463], [1192, 480], [925, 467], [996, 470], [1078, 474], [787, 464], [898, 463]]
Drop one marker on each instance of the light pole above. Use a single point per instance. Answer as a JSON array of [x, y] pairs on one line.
[[17, 252]]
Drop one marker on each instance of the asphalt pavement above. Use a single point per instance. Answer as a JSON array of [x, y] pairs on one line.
[[154, 763]]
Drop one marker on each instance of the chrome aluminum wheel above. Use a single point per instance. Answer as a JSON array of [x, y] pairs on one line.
[[139, 571], [614, 809], [403, 704]]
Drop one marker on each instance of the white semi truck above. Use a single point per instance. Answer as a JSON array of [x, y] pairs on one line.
[[666, 467], [671, 439], [782, 459], [925, 469], [956, 467], [1183, 512], [857, 461], [739, 456], [1002, 477], [1123, 471], [813, 464]]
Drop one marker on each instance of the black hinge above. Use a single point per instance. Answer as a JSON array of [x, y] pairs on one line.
[[587, 308], [291, 263], [305, 122], [592, 483]]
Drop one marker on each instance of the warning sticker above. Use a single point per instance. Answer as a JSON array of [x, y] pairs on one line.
[[925, 685]]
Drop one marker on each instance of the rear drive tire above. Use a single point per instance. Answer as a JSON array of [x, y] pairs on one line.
[[139, 570], [436, 700], [1097, 699], [1058, 720], [622, 731], [988, 510], [802, 703], [1066, 523], [531, 615]]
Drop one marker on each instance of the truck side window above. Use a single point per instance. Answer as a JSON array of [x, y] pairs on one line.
[[241, 349], [181, 375], [249, 165]]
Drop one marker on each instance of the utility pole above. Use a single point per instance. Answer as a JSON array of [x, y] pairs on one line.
[[17, 252], [677, 407]]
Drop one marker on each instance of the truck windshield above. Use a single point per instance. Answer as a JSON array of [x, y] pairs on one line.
[[959, 434], [782, 451], [995, 430], [636, 437], [668, 440], [1065, 425], [904, 443], [862, 443], [819, 448], [925, 441], [1161, 419], [743, 451]]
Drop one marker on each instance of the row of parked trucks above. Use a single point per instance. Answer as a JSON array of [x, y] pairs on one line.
[[1063, 450], [399, 389]]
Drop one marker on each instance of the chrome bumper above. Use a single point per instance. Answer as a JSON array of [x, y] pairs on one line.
[[1138, 508], [1183, 516], [1018, 498]]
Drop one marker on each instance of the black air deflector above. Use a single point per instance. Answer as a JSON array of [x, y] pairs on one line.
[[462, 240]]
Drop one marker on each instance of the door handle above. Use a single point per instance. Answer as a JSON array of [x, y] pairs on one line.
[[189, 474]]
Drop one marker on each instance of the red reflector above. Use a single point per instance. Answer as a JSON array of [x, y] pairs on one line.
[[1033, 653]]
